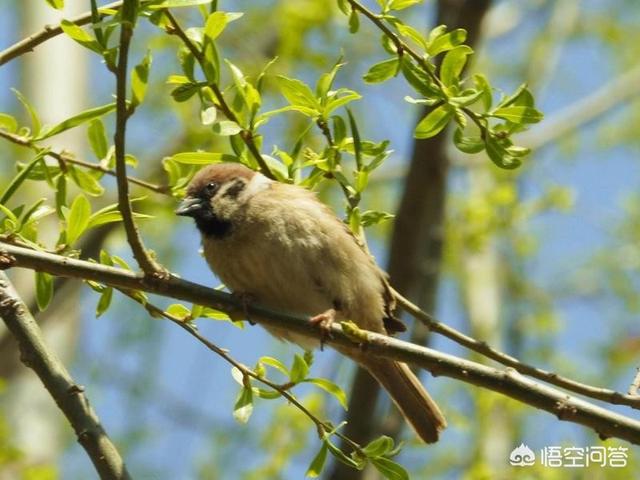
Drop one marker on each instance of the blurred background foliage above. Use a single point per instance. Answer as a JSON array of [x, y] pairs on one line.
[[542, 261]]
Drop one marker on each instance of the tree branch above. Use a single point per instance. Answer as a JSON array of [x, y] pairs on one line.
[[481, 347], [63, 157], [49, 31], [146, 263], [67, 394], [507, 382]]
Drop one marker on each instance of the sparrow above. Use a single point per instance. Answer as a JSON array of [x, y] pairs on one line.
[[278, 245]]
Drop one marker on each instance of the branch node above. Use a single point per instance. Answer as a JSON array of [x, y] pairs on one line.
[[6, 260], [75, 389]]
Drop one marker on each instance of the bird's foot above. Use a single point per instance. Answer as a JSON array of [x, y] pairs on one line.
[[324, 321], [245, 299]]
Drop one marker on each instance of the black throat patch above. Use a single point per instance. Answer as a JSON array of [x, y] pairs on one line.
[[210, 225]]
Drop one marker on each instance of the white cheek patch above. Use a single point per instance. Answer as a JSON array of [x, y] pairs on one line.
[[257, 184]]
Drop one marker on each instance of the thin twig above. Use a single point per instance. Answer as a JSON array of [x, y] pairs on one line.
[[145, 261], [481, 347], [68, 395], [245, 134], [322, 426], [63, 157], [508, 381]]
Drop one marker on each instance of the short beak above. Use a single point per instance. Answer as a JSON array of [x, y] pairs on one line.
[[189, 207]]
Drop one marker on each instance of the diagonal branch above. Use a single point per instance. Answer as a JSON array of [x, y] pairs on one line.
[[145, 261], [507, 381], [49, 31], [481, 347], [68, 395]]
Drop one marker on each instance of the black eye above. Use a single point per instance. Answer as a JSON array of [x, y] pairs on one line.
[[211, 188]]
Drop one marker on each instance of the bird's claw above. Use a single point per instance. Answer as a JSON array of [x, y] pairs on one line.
[[324, 321]]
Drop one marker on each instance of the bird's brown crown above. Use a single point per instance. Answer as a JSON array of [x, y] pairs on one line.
[[219, 173]]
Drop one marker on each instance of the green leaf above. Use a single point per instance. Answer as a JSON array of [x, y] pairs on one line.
[[202, 158], [354, 22], [105, 301], [379, 447], [357, 144], [483, 84], [317, 464], [418, 79], [215, 25], [10, 217], [179, 311], [76, 120], [184, 92], [402, 4], [226, 128], [88, 183], [139, 80], [467, 144], [177, 4], [518, 114], [297, 93], [299, 369], [373, 217], [522, 97], [35, 213], [326, 80], [78, 219], [339, 129], [447, 41], [341, 98], [266, 394], [57, 4], [382, 71], [244, 405], [344, 6], [434, 122], [98, 138], [275, 363], [61, 195], [413, 34], [211, 64], [20, 177], [453, 64], [44, 289], [498, 155], [340, 455], [468, 97], [35, 121], [390, 469], [80, 36], [331, 388], [8, 123]]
